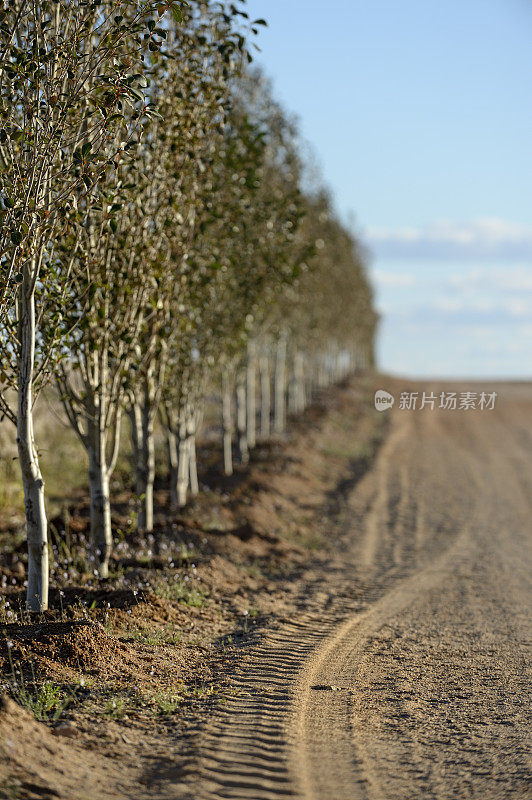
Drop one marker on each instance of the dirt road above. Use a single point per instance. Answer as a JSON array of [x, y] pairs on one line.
[[405, 673]]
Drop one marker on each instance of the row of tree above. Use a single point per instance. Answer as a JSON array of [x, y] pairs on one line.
[[157, 245]]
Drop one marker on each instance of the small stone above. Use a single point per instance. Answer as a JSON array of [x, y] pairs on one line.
[[66, 729], [328, 687]]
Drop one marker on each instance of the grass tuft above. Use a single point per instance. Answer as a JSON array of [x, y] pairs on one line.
[[46, 703], [181, 591], [115, 708]]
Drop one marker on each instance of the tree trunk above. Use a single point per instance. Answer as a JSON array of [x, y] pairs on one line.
[[36, 527], [100, 506], [191, 452], [142, 423], [338, 366], [183, 460], [251, 408], [292, 386], [265, 397], [173, 464], [279, 421], [135, 424], [299, 383], [147, 472], [135, 420], [227, 425], [241, 426]]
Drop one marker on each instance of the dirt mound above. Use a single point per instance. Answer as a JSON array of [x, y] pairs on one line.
[[80, 645]]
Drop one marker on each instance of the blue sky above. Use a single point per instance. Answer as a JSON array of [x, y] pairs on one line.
[[420, 114]]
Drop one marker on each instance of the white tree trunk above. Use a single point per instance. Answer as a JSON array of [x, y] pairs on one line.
[[338, 366], [142, 425], [183, 459], [241, 418], [36, 527], [135, 420], [300, 400], [147, 475], [292, 385], [251, 409], [265, 397], [227, 425], [193, 466], [349, 363], [173, 464], [191, 452], [279, 421], [100, 505]]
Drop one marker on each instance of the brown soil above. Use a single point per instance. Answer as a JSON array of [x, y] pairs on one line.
[[406, 672], [385, 650], [142, 659]]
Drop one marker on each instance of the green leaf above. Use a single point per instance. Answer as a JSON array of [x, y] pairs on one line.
[[177, 14], [16, 237]]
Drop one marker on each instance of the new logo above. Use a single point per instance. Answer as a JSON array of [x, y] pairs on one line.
[[383, 400]]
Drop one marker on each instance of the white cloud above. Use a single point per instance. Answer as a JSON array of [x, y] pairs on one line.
[[392, 280], [507, 307], [511, 279], [485, 238]]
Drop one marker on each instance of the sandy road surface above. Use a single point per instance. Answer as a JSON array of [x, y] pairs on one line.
[[421, 623]]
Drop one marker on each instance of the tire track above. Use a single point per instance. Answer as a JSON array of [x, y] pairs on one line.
[[244, 750], [430, 665]]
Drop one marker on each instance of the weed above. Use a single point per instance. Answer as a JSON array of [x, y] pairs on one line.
[[84, 683], [194, 692], [7, 613], [46, 703], [225, 642], [166, 635], [115, 708], [122, 533], [167, 703], [181, 591], [186, 553]]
